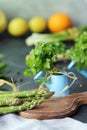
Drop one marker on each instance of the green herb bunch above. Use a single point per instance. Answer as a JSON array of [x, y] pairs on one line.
[[43, 57], [78, 53]]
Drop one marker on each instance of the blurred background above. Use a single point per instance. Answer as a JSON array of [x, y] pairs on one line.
[[76, 9], [27, 9]]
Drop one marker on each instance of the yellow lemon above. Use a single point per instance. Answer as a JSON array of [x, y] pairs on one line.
[[37, 24], [3, 22], [17, 27]]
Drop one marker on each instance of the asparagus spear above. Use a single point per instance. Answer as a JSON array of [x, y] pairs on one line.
[[17, 98], [28, 103], [10, 101], [25, 106], [23, 94], [5, 92], [15, 101]]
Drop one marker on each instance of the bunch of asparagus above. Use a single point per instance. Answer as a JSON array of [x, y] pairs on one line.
[[23, 100]]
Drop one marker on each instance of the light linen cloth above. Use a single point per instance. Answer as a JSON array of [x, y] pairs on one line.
[[15, 122]]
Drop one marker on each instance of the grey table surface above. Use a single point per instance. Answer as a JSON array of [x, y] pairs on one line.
[[15, 51]]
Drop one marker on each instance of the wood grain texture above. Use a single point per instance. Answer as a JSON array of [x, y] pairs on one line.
[[56, 107]]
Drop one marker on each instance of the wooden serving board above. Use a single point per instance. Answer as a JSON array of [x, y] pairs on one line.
[[56, 107]]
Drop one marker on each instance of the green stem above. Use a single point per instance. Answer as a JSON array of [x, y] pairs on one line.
[[5, 92], [18, 94], [25, 106], [10, 101], [23, 94]]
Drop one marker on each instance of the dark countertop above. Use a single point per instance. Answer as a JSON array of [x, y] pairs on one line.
[[15, 51]]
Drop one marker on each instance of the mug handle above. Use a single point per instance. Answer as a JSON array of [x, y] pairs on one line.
[[71, 73]]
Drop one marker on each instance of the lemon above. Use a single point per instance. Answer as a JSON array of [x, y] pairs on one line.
[[37, 24], [3, 22], [17, 27]]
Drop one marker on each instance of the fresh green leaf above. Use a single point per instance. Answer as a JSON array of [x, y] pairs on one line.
[[78, 53]]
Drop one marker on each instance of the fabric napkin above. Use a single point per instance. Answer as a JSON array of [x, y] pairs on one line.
[[15, 122]]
